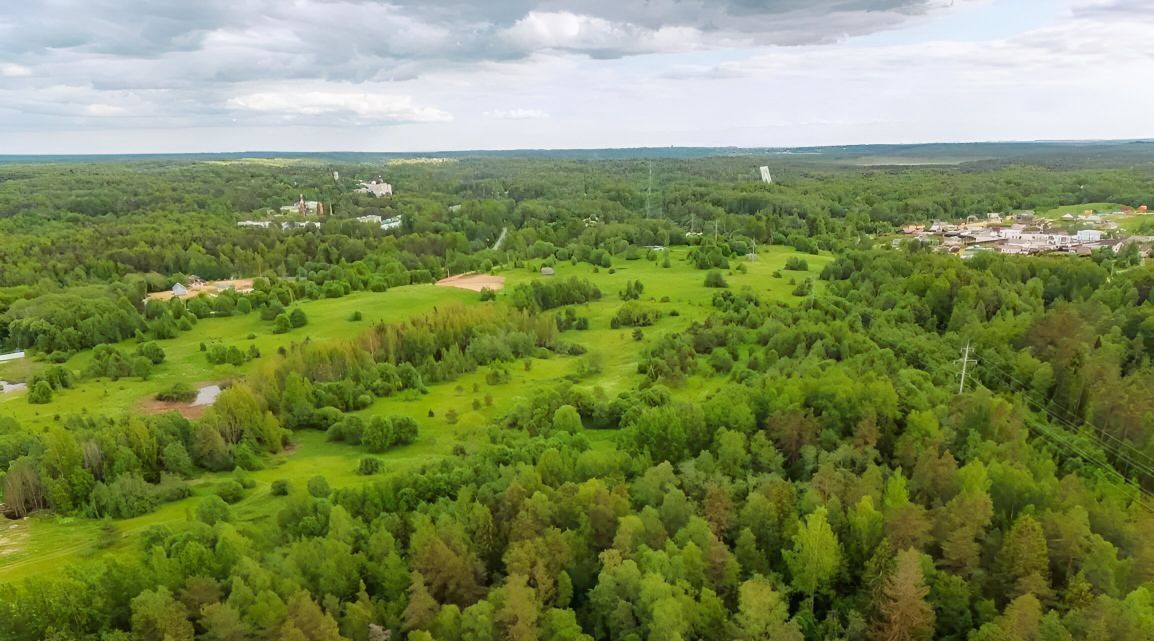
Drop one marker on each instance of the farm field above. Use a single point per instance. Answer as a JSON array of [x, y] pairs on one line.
[[38, 545]]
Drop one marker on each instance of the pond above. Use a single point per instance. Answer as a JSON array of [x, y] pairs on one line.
[[8, 388], [206, 395]]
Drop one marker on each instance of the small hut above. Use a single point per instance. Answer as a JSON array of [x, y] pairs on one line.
[[547, 271]]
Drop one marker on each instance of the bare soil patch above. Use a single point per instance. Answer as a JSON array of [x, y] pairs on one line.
[[12, 537], [473, 282], [153, 406], [212, 288]]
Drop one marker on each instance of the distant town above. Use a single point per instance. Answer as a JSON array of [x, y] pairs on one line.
[[1028, 233]]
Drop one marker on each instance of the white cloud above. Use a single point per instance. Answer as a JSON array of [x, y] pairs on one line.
[[13, 70], [366, 107], [516, 114], [102, 109], [565, 30]]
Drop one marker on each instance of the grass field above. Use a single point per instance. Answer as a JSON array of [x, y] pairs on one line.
[[1078, 210], [45, 543]]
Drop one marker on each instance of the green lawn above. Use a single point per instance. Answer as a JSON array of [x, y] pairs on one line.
[[46, 543], [328, 319], [1078, 210]]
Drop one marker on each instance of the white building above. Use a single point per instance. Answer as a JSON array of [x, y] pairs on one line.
[[372, 219], [391, 223], [1089, 236], [377, 188], [263, 224], [14, 356]]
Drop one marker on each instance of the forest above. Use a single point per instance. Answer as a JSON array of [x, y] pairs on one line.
[[700, 407]]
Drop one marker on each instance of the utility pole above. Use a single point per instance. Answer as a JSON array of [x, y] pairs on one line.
[[649, 193], [965, 360]]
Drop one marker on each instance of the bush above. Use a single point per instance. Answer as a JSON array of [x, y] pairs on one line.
[[721, 361], [370, 466], [488, 294], [41, 394], [319, 487], [796, 264], [152, 352], [715, 279], [178, 393], [213, 510], [281, 487], [634, 314], [804, 288], [230, 491], [356, 317], [297, 318], [282, 324]]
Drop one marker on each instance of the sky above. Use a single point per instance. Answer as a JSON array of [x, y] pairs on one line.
[[167, 76]]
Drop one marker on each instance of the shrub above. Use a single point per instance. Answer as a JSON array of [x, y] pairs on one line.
[[281, 487], [721, 361], [152, 352], [297, 318], [370, 466], [212, 510], [634, 314], [356, 316], [488, 294], [178, 393], [230, 491], [41, 393], [633, 290], [319, 487], [796, 264], [715, 279], [804, 288]]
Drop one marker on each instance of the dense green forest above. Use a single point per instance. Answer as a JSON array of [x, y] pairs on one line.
[[735, 412]]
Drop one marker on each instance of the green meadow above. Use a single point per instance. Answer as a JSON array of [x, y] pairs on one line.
[[39, 544]]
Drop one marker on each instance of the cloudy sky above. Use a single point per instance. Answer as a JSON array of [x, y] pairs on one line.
[[112, 76]]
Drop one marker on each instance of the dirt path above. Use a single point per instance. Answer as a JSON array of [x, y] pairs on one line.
[[473, 282]]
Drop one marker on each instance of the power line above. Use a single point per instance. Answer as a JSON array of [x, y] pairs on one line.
[[1127, 451], [1121, 450], [965, 360]]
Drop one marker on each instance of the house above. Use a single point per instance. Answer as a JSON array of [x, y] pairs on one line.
[[372, 219], [1089, 236], [1068, 217], [994, 217], [377, 188], [13, 356], [391, 223], [263, 224], [547, 271], [179, 290]]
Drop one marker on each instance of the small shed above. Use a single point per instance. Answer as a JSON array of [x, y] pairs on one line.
[[547, 271], [179, 290]]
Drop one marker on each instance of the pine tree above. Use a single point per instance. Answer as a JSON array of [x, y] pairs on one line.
[[905, 615]]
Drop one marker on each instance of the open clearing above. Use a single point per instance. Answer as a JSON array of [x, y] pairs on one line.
[[52, 542], [210, 288], [473, 282]]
